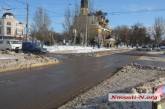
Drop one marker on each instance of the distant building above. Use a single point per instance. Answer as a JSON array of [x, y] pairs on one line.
[[84, 7], [10, 27], [91, 26]]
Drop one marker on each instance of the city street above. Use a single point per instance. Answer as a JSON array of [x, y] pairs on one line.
[[72, 54], [50, 87]]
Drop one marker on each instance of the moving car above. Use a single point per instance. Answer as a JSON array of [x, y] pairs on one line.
[[33, 47], [10, 45]]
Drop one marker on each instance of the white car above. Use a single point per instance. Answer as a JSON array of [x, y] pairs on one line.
[[10, 45]]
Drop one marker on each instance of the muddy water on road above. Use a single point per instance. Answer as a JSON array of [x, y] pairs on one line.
[[50, 87]]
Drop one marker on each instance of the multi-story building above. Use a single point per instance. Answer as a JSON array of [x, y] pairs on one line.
[[10, 27]]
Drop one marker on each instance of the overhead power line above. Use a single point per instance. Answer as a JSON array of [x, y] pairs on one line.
[[137, 11], [24, 3], [50, 11]]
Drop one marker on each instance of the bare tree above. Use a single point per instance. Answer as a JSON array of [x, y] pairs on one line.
[[136, 35], [76, 9], [68, 22], [91, 6], [41, 25], [73, 24], [159, 29], [122, 34]]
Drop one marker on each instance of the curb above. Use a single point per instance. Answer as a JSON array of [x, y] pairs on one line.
[[28, 66]]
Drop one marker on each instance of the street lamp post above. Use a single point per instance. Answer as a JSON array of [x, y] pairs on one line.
[[75, 35], [86, 32], [27, 19]]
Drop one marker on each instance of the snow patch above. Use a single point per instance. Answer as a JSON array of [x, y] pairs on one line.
[[77, 49]]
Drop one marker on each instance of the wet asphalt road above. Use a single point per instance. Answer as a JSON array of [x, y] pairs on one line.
[[51, 86]]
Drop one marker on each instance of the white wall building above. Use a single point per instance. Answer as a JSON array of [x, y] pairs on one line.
[[10, 27]]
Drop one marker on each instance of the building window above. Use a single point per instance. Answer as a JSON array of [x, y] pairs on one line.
[[0, 30], [8, 23], [0, 23], [8, 31]]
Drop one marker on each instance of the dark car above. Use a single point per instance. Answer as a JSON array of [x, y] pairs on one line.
[[162, 47], [33, 47]]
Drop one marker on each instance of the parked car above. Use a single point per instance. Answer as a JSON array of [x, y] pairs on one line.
[[162, 47], [33, 47], [144, 48], [10, 45], [157, 48]]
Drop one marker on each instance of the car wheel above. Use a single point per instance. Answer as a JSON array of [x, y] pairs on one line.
[[16, 50]]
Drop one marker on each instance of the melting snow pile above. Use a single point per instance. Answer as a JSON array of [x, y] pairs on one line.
[[75, 49]]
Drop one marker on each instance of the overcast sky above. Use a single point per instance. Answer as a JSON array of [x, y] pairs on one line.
[[130, 11]]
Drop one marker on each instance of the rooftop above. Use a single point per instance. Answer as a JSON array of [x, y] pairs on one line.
[[7, 14]]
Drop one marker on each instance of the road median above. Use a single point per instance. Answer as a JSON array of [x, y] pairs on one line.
[[12, 61]]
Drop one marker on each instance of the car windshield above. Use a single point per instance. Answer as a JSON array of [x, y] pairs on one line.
[[38, 45], [15, 42]]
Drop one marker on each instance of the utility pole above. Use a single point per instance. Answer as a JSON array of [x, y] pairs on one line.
[[27, 19], [86, 32]]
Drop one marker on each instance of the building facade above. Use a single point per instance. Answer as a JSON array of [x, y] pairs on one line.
[[10, 27], [84, 7], [92, 26]]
